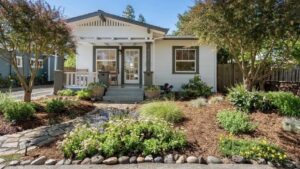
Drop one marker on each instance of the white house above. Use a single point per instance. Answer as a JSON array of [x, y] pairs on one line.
[[138, 53]]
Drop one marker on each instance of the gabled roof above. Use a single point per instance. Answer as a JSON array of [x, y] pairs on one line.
[[174, 37], [104, 14]]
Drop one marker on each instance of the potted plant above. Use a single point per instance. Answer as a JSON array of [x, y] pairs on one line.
[[152, 92], [97, 89]]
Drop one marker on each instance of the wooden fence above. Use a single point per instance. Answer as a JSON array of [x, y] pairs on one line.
[[230, 74]]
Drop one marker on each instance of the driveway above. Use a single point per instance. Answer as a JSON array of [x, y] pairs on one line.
[[38, 92], [148, 166]]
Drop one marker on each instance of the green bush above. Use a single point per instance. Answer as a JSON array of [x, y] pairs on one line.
[[5, 100], [287, 103], [198, 103], [81, 142], [18, 111], [124, 137], [84, 94], [164, 110], [248, 101], [66, 92], [196, 88], [235, 121], [251, 149], [55, 106], [215, 99]]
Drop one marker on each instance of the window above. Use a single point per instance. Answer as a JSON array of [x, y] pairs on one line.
[[40, 63], [185, 60], [19, 61], [106, 60]]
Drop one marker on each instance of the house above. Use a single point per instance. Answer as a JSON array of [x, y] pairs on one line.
[[45, 72], [135, 53]]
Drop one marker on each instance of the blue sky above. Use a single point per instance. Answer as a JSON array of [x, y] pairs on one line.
[[157, 12]]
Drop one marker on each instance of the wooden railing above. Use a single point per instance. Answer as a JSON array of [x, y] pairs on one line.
[[79, 79]]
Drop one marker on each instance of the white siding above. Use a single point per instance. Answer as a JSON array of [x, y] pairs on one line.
[[84, 57], [163, 64]]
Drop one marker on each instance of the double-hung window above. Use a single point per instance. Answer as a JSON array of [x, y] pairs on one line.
[[19, 61], [40, 63], [185, 60], [106, 60]]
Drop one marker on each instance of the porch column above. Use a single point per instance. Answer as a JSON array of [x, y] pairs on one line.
[[148, 74]]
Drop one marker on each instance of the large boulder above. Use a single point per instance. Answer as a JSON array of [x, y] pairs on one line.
[[291, 125]]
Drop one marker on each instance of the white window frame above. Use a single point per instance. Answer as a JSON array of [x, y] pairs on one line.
[[176, 61], [41, 62], [20, 58], [106, 60]]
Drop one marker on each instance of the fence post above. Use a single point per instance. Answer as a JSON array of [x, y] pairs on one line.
[[58, 80]]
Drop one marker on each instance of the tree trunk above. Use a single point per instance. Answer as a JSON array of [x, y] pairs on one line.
[[27, 95], [248, 84]]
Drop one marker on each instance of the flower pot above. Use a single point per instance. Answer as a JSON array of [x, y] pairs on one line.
[[98, 91], [152, 94]]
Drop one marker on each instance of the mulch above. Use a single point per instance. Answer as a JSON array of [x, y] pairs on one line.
[[42, 118]]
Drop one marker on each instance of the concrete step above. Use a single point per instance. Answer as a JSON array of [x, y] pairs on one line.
[[124, 95], [112, 92], [123, 99]]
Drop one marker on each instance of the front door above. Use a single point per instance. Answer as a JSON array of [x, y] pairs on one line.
[[131, 66]]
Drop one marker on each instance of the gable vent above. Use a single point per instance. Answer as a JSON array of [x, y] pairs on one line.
[[99, 22]]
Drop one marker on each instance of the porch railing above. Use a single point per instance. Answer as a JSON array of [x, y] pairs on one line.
[[79, 79]]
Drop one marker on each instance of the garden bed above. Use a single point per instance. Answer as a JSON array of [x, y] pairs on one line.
[[42, 118]]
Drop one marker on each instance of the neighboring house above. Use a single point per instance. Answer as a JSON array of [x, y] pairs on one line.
[[136, 53], [46, 67]]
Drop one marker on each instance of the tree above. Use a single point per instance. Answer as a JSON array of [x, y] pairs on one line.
[[259, 35], [141, 18], [33, 29], [71, 61], [129, 12]]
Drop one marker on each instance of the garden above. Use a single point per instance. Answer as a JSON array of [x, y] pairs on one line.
[[194, 126]]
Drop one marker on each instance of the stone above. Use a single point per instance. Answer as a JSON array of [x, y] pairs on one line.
[[26, 162], [291, 125], [226, 160], [39, 161], [111, 161], [271, 164], [10, 144], [289, 164], [123, 160], [68, 162], [169, 159], [61, 162], [2, 160], [51, 162], [261, 161], [86, 161], [238, 159], [213, 160], [253, 162], [149, 159], [98, 159], [181, 159], [176, 156], [14, 163], [158, 159], [133, 160], [140, 159], [2, 166], [76, 162], [192, 159], [201, 160]]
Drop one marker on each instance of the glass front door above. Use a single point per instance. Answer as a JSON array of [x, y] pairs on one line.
[[131, 66]]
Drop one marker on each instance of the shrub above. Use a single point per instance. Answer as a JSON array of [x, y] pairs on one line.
[[164, 110], [251, 149], [55, 106], [248, 101], [235, 121], [81, 142], [66, 92], [5, 100], [198, 103], [287, 103], [84, 94], [18, 111], [215, 99], [196, 88]]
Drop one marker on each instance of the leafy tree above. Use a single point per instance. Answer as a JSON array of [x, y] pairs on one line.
[[296, 52], [71, 61], [35, 29], [259, 35], [141, 18], [129, 12]]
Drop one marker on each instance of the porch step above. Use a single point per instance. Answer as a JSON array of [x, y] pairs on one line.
[[124, 95]]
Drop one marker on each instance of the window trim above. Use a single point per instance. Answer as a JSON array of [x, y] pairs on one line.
[[39, 60], [106, 60], [21, 61], [196, 61]]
